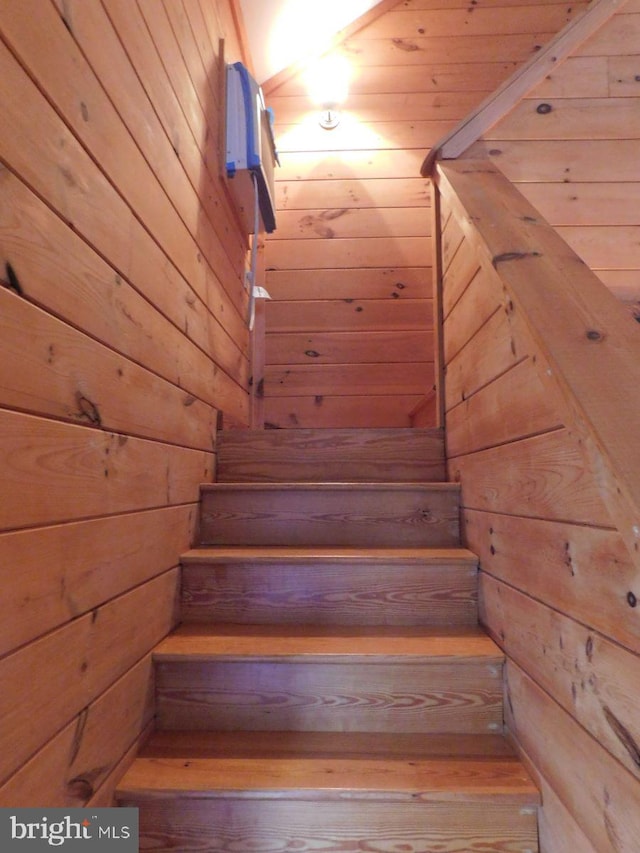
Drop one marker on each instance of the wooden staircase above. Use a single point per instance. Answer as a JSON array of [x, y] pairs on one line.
[[329, 690]]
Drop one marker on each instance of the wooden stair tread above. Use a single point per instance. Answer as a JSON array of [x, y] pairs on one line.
[[334, 766], [319, 553], [196, 641]]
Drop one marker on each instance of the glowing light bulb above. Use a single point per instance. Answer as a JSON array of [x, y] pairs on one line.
[[328, 86]]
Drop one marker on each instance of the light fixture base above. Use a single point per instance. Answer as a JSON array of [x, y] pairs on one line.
[[329, 119]]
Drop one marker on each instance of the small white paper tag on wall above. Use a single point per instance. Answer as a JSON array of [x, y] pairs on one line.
[[260, 293]]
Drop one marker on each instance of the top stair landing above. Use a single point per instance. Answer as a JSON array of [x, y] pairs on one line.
[[331, 456]]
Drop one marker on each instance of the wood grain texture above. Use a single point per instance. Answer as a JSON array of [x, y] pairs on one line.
[[96, 649], [229, 826], [347, 586], [77, 765], [68, 376], [122, 341], [604, 804], [171, 337], [70, 569], [515, 405], [361, 283], [340, 412], [584, 572], [557, 829], [376, 379], [408, 83], [339, 194], [586, 20], [539, 477], [557, 581], [349, 347], [332, 455], [61, 472], [582, 311], [341, 223], [121, 71], [437, 766], [568, 119], [479, 300], [105, 134], [589, 676], [370, 515], [313, 679], [349, 315]]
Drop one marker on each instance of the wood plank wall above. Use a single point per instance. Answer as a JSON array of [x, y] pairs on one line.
[[558, 588], [350, 324], [121, 340], [572, 148]]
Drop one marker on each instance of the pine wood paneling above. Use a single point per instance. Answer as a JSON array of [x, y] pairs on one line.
[[456, 48], [376, 192], [88, 655], [599, 793], [558, 830], [543, 477], [69, 376], [474, 21], [174, 340], [60, 472], [580, 126], [578, 204], [559, 588], [404, 79], [348, 347], [344, 165], [582, 571], [591, 677], [90, 561], [370, 284], [513, 405], [559, 161], [121, 345], [75, 766], [350, 411], [352, 133], [350, 205], [349, 315], [570, 118], [375, 379], [303, 253], [336, 223]]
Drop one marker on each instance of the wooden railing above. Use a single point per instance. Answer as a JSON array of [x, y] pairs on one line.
[[589, 348], [541, 400]]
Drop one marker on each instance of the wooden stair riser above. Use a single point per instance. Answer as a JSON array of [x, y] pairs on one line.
[[240, 826], [330, 593], [410, 515], [333, 455], [462, 696]]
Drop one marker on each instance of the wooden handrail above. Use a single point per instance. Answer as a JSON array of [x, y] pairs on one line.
[[589, 342], [534, 71]]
